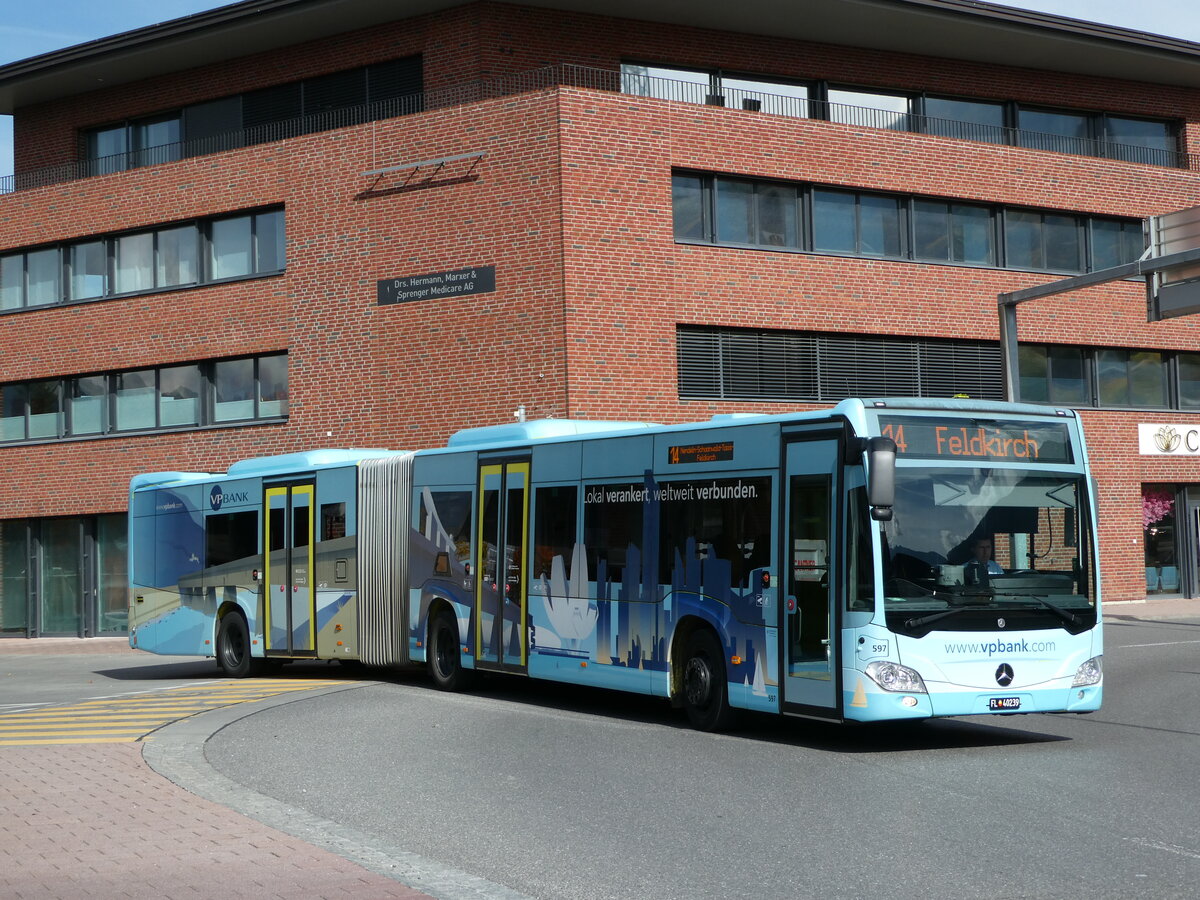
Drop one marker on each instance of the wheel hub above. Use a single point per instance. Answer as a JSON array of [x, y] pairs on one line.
[[697, 682]]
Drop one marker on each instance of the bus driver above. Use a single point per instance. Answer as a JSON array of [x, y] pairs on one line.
[[981, 564]]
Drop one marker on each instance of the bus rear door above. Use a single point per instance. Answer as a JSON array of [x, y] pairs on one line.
[[288, 538]]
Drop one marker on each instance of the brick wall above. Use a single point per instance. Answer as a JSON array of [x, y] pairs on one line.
[[360, 374]]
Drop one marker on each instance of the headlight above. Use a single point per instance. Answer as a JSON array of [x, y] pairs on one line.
[[1091, 672], [894, 677]]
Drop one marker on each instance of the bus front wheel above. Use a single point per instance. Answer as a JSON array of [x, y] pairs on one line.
[[233, 646], [444, 659], [705, 690]]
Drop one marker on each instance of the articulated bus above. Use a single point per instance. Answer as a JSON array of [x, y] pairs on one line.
[[880, 560]]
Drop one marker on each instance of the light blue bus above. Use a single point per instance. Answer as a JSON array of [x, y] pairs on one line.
[[880, 560]]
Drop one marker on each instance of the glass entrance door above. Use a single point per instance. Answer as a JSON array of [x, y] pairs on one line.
[[500, 600], [289, 565], [810, 651]]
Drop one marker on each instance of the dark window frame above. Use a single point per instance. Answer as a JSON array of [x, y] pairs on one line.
[[906, 235], [203, 230], [205, 140], [1091, 375], [110, 424]]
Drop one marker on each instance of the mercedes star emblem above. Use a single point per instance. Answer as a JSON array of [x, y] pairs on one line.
[[1004, 675]]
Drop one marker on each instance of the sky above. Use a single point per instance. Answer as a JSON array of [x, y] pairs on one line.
[[40, 27]]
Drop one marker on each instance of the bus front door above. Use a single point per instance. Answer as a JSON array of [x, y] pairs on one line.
[[501, 633], [809, 616], [289, 567]]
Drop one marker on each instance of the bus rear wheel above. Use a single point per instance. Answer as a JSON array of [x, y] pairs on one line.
[[705, 689], [444, 659], [233, 647]]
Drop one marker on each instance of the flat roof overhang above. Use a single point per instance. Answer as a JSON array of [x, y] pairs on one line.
[[954, 29]]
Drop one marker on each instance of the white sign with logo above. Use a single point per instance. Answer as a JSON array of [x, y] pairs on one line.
[[1169, 440]]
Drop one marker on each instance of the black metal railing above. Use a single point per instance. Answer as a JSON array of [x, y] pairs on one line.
[[895, 120], [600, 80]]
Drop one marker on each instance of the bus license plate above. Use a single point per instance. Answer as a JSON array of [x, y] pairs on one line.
[[1004, 703]]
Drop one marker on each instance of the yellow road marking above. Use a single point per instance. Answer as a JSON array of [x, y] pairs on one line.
[[133, 718], [27, 732]]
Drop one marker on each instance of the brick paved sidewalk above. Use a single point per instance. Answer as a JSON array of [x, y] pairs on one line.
[[55, 646], [94, 821]]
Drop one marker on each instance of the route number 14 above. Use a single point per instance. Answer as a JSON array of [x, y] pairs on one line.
[[896, 433]]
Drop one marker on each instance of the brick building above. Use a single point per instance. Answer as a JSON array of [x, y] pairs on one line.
[[286, 224]]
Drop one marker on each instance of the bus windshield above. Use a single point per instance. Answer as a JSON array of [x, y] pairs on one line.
[[969, 548]]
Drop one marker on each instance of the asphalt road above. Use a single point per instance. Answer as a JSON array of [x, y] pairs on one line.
[[557, 793]]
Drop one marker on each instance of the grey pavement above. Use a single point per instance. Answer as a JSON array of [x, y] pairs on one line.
[[98, 821], [155, 820]]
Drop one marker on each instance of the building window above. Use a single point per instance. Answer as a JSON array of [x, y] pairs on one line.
[[1141, 140], [169, 397], [134, 263], [1042, 241], [64, 576], [1108, 377], [858, 224], [774, 365], [86, 399], [380, 90], [970, 120], [873, 109], [12, 281], [688, 206], [88, 264], [1189, 380], [43, 272], [1113, 242], [781, 216], [1057, 130], [953, 232], [1133, 139], [1136, 378], [231, 248], [666, 83], [250, 388], [780, 98], [1053, 375], [249, 245]]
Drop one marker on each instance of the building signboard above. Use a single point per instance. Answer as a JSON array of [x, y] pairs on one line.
[[1156, 439], [437, 285]]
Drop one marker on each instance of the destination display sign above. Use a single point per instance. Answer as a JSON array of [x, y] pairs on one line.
[[978, 439], [436, 285], [700, 453]]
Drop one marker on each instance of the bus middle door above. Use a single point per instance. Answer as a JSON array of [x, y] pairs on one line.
[[501, 631]]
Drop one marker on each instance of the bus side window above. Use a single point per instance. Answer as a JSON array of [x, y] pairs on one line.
[[554, 528], [612, 528], [333, 521]]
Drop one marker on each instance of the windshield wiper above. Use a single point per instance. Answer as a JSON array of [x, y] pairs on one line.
[[1065, 614], [918, 621]]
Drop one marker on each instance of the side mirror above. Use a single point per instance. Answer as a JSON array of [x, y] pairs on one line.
[[881, 477]]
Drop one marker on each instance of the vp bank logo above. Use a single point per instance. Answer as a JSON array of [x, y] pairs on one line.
[[217, 497], [1167, 439]]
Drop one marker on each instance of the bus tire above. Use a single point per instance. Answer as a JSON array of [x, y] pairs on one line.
[[444, 659], [705, 689], [233, 646]]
